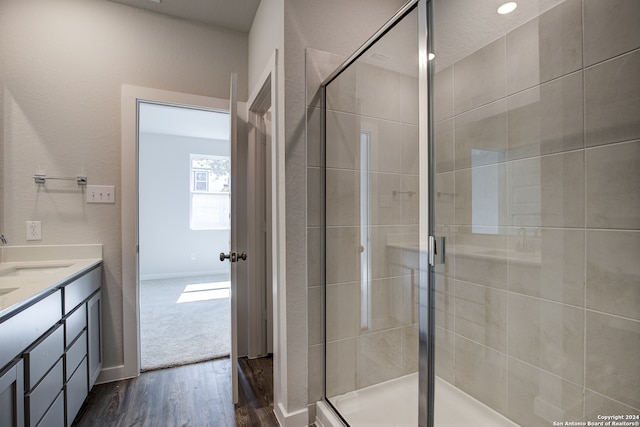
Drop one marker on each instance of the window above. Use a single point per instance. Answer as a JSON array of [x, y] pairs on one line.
[[210, 196]]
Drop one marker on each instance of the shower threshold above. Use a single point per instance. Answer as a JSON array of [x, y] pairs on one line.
[[395, 403]]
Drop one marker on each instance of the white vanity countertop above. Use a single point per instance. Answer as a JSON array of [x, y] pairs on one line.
[[27, 272]]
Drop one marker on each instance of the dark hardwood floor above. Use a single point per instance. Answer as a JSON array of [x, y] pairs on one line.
[[197, 395]]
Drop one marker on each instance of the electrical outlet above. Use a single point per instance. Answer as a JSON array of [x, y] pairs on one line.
[[101, 194], [34, 230]]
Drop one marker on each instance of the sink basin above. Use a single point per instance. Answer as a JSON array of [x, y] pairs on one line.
[[4, 291], [32, 270]]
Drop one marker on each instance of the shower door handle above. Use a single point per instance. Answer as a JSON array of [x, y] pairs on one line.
[[436, 250]]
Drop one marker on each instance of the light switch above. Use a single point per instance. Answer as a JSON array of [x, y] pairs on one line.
[[101, 194]]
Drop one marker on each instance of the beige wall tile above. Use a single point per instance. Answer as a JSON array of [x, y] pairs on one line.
[[610, 28], [445, 197], [384, 206], [481, 258], [547, 335], [480, 77], [480, 132], [548, 263], [314, 315], [444, 363], [341, 367], [547, 191], [314, 259], [379, 357], [342, 196], [613, 272], [443, 94], [409, 198], [544, 48], [386, 145], [481, 372], [343, 140], [613, 366], [444, 146], [342, 243], [342, 311], [316, 372], [481, 314], [410, 348], [445, 302], [481, 196], [537, 398], [547, 119], [612, 100], [613, 195], [409, 162]]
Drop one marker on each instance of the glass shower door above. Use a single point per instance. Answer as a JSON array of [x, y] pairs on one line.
[[372, 232]]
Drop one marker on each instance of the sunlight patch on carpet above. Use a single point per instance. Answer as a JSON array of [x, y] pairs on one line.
[[204, 292]]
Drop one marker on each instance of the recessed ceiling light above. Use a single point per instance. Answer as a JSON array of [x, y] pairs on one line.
[[431, 56], [507, 8]]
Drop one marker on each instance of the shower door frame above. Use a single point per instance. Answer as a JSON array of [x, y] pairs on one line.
[[426, 365]]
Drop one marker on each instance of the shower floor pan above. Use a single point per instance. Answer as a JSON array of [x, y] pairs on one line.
[[395, 403]]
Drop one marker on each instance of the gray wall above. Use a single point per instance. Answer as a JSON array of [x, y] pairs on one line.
[[63, 64], [168, 245]]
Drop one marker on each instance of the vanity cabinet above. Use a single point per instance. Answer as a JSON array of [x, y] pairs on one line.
[[82, 326], [51, 354], [12, 395]]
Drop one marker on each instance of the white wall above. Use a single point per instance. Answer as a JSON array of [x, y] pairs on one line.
[[63, 64], [168, 245]]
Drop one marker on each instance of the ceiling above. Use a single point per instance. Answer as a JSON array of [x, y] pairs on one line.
[[231, 14]]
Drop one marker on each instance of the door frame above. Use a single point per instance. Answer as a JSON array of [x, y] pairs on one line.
[[129, 200]]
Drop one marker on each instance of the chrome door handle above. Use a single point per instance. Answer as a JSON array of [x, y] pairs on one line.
[[233, 256]]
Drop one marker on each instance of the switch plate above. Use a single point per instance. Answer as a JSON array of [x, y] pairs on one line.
[[34, 230], [101, 194]]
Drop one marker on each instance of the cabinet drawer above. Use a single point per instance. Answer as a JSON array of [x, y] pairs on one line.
[[55, 415], [76, 391], [75, 354], [80, 289], [19, 331], [38, 401], [74, 324], [40, 358]]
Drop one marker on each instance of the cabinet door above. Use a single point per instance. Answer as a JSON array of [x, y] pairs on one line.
[[94, 329], [12, 396]]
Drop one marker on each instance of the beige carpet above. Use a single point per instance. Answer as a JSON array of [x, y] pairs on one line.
[[184, 320]]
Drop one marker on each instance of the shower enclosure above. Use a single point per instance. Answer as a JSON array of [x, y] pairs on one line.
[[482, 217]]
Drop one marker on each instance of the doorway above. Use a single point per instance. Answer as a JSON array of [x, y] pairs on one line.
[[184, 220]]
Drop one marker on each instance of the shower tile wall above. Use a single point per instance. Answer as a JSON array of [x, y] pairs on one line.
[[538, 172]]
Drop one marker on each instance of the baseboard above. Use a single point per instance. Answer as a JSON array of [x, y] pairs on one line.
[[111, 374], [291, 419]]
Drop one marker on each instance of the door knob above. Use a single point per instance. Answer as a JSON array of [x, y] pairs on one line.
[[233, 256]]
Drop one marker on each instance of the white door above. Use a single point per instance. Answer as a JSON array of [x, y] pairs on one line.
[[233, 254]]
